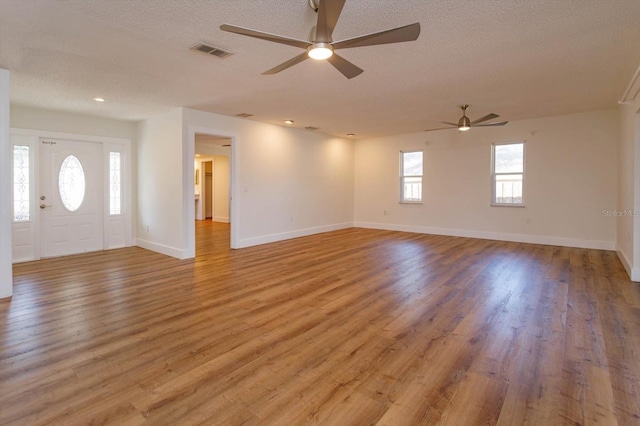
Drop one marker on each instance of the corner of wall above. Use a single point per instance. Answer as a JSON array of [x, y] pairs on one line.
[[6, 268], [624, 259], [627, 226]]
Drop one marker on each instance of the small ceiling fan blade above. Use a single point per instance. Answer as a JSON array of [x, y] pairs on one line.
[[283, 66], [345, 67], [395, 35], [328, 14], [265, 36], [502, 123], [439, 128], [450, 124], [485, 118]]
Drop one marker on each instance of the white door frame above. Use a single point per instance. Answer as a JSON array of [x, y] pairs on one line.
[[108, 143], [188, 183]]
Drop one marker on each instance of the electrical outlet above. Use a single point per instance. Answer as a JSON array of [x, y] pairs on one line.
[[386, 212], [291, 219]]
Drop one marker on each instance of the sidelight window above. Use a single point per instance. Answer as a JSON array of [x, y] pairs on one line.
[[21, 184], [115, 183]]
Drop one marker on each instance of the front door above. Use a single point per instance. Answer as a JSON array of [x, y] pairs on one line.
[[71, 197]]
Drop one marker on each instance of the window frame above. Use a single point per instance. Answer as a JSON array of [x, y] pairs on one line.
[[403, 176], [493, 202], [30, 174]]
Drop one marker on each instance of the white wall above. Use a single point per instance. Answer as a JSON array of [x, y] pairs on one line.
[[288, 182], [221, 188], [159, 218], [570, 179], [6, 269], [59, 121]]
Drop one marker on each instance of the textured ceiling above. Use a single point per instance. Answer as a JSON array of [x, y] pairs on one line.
[[520, 59]]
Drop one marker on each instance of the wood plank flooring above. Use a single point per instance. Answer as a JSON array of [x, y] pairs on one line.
[[353, 327]]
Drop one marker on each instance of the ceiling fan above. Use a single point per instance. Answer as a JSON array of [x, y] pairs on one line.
[[321, 45], [465, 124]]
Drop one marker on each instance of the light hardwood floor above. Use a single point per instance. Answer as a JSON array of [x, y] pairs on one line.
[[353, 327]]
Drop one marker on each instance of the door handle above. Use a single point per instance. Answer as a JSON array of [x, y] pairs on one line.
[[44, 206]]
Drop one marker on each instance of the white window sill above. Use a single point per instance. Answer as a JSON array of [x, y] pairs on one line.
[[410, 202], [507, 205]]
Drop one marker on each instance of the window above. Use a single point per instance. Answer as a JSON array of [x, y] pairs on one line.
[[115, 185], [21, 185], [411, 177], [507, 175], [71, 183]]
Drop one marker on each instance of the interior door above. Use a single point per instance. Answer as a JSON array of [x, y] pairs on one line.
[[71, 197]]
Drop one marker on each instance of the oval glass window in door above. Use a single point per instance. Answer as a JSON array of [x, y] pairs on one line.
[[71, 183]]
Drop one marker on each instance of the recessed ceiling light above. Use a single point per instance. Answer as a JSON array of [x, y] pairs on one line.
[[351, 134], [98, 99], [197, 155], [288, 121]]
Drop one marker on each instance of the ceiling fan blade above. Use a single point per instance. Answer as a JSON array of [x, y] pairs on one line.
[[345, 67], [328, 14], [396, 35], [283, 66], [265, 36], [502, 123], [450, 124], [439, 128], [485, 118]]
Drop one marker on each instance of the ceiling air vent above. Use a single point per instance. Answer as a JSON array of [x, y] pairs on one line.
[[244, 115], [312, 128], [211, 50]]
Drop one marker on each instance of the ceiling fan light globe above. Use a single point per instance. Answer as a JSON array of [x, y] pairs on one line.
[[464, 124], [320, 51]]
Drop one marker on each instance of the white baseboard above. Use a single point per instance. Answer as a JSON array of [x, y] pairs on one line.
[[265, 239], [15, 261], [499, 236], [161, 248], [221, 219]]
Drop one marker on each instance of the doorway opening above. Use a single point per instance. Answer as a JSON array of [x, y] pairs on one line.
[[212, 189]]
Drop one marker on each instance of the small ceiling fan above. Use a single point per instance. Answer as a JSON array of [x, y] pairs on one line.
[[465, 124], [321, 45]]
